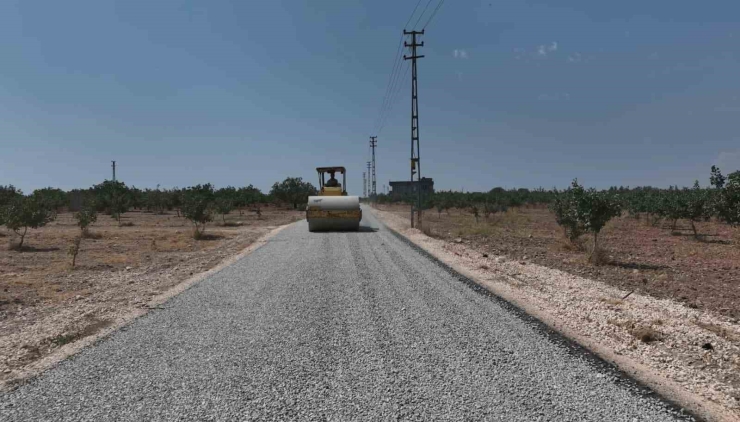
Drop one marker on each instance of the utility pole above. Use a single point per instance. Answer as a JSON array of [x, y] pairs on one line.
[[114, 170], [364, 185], [368, 179], [373, 143], [415, 157]]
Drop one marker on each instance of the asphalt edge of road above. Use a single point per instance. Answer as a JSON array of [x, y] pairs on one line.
[[641, 386], [33, 371]]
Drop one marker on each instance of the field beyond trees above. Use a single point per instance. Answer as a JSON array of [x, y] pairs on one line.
[[655, 259]]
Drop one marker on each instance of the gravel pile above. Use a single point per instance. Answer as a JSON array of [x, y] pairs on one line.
[[334, 326]]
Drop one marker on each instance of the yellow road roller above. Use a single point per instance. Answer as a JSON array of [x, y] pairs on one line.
[[332, 209]]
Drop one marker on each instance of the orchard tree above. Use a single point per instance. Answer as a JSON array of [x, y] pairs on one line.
[[595, 209], [293, 190], [113, 197], [86, 217], [223, 206], [51, 198], [155, 200], [697, 205], [7, 195], [565, 208], [23, 213], [197, 206], [726, 196]]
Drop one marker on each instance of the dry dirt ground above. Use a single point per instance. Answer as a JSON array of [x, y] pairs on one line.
[[677, 331], [45, 304], [703, 273]]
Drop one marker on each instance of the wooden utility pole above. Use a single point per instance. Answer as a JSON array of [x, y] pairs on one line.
[[415, 156]]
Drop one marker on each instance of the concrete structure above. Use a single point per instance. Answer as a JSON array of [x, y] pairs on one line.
[[407, 187]]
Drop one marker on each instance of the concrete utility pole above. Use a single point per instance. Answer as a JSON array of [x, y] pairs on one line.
[[368, 179], [415, 156], [373, 144], [364, 185], [114, 170]]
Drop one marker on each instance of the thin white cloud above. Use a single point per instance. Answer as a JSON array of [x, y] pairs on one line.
[[575, 58], [543, 50], [460, 54]]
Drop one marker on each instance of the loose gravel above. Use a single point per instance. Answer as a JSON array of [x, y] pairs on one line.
[[334, 326]]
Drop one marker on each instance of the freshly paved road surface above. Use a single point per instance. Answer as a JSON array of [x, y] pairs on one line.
[[333, 326]]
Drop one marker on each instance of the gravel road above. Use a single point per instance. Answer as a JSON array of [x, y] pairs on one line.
[[334, 326]]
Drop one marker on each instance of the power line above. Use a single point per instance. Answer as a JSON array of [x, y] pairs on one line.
[[393, 99], [391, 77], [396, 66], [422, 13], [412, 14], [393, 81], [439, 5]]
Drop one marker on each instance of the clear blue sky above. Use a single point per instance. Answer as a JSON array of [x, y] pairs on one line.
[[512, 93]]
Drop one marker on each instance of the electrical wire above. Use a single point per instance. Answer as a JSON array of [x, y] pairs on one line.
[[439, 5], [416, 25]]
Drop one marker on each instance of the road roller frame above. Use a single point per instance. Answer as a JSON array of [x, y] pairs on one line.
[[323, 219]]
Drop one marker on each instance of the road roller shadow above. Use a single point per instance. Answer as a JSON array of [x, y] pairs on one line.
[[361, 229]]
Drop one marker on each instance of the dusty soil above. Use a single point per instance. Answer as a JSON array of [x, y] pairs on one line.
[[703, 273], [689, 355], [45, 304]]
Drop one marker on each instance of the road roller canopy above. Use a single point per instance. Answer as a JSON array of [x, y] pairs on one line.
[[330, 169], [330, 190]]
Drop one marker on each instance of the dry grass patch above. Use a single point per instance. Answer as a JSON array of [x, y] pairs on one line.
[[720, 331], [612, 301], [646, 334]]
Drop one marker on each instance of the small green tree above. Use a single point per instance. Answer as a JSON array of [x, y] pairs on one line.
[[565, 207], [697, 206], [475, 211], [23, 213], [224, 205], [197, 206], [74, 249], [293, 190], [595, 209], [7, 195], [113, 198], [85, 217], [51, 198], [726, 197]]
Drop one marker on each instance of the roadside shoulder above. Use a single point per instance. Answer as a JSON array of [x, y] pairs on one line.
[[122, 320], [660, 343]]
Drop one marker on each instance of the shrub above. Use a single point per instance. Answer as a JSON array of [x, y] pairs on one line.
[[23, 213], [74, 249], [114, 198], [85, 217], [595, 209], [224, 206], [578, 210], [293, 190], [564, 206], [197, 206]]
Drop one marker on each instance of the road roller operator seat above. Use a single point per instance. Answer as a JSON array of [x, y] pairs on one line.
[[332, 187]]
